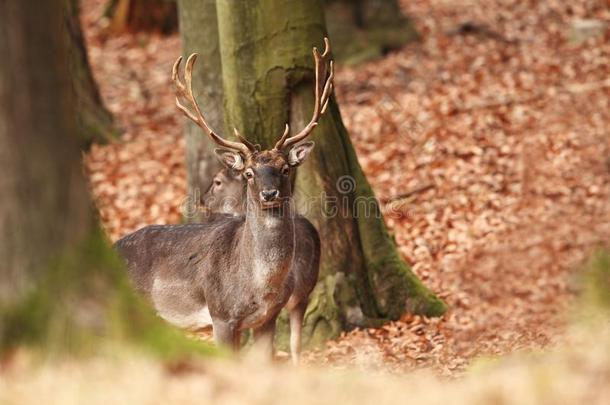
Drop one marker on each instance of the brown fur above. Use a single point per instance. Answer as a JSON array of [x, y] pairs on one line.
[[273, 158], [236, 268], [230, 187]]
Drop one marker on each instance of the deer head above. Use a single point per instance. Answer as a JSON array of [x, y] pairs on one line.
[[267, 172], [226, 193]]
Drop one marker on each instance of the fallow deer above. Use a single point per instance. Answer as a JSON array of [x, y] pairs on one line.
[[227, 195], [231, 272]]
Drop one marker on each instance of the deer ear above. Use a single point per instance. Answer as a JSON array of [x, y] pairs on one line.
[[231, 159], [297, 155]]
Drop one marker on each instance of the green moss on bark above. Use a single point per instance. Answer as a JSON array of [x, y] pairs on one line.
[[395, 286], [595, 282]]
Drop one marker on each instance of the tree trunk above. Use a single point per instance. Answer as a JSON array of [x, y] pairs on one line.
[[143, 15], [267, 79], [199, 32], [61, 285], [366, 29], [360, 29], [95, 122], [41, 181]]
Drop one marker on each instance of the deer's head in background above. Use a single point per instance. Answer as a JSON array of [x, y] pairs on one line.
[[226, 194]]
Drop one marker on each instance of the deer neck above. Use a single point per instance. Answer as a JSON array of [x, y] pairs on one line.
[[269, 235]]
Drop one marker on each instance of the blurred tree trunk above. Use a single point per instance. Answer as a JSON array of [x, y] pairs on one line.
[[360, 29], [267, 79], [366, 29], [61, 285], [95, 122], [199, 32], [42, 182], [143, 15]]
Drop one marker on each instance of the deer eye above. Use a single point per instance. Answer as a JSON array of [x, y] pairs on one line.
[[217, 182], [248, 173], [285, 170]]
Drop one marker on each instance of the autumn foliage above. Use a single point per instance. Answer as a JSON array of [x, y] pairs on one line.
[[494, 125]]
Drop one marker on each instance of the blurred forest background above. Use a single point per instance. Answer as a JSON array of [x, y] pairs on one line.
[[483, 127]]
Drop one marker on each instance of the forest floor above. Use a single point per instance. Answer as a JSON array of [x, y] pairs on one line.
[[496, 111]]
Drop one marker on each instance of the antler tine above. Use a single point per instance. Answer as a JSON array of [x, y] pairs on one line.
[[243, 140], [324, 75], [328, 88], [181, 90], [279, 143], [186, 91]]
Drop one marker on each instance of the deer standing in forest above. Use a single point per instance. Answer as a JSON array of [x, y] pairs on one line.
[[231, 272], [227, 195]]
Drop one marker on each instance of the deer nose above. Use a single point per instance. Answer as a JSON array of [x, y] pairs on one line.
[[269, 195]]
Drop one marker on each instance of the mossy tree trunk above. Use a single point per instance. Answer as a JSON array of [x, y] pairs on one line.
[[61, 285], [267, 78], [42, 181], [95, 122], [359, 29], [199, 32]]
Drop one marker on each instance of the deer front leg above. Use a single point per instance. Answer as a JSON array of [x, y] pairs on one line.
[[226, 334], [296, 325], [263, 337]]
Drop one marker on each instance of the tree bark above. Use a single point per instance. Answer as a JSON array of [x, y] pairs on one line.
[[42, 181], [378, 26], [199, 32], [360, 29], [61, 285], [267, 78], [95, 121], [366, 29], [143, 15]]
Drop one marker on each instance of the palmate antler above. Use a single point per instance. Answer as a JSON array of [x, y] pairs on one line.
[[324, 72], [185, 90]]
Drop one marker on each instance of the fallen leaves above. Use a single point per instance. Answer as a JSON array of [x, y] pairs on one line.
[[501, 127]]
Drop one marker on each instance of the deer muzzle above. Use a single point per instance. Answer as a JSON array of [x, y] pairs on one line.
[[269, 195]]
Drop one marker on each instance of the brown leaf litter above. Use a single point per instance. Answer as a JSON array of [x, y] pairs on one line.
[[497, 121]]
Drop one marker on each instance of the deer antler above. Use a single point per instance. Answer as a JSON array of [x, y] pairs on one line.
[[323, 90], [186, 90]]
